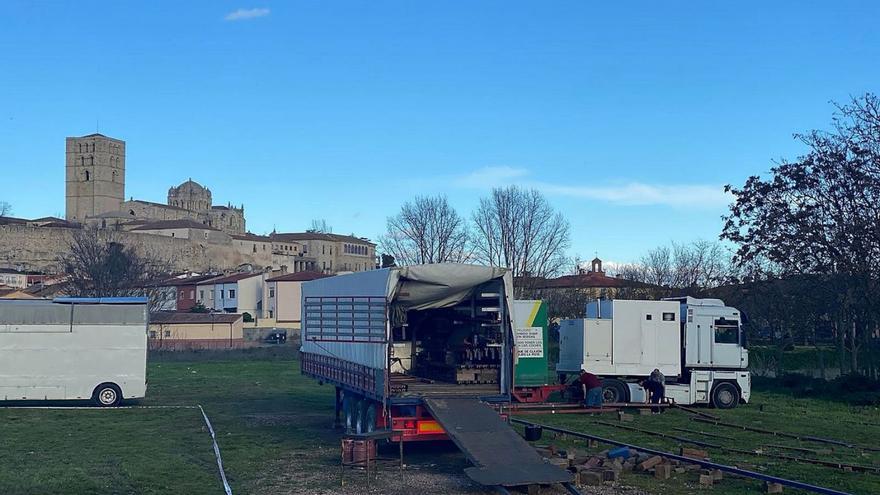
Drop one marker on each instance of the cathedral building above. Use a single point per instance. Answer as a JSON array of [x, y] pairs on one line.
[[95, 192]]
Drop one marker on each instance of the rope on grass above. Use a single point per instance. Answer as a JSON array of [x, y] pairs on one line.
[[216, 452]]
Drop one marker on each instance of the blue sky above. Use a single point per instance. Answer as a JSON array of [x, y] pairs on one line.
[[630, 116]]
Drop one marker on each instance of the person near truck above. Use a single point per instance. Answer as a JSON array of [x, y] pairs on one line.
[[655, 385], [592, 389]]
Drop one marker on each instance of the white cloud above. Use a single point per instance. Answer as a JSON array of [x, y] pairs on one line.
[[245, 14], [630, 193], [491, 177]]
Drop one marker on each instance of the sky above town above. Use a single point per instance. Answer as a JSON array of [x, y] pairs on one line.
[[629, 116]]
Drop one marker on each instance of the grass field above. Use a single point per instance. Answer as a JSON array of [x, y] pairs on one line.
[[273, 428]]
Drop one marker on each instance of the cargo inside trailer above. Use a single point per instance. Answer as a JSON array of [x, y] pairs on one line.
[[452, 351]]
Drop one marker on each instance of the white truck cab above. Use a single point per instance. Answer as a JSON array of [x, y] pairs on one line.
[[698, 344]]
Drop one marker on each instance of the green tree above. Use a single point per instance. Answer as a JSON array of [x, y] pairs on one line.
[[820, 215]]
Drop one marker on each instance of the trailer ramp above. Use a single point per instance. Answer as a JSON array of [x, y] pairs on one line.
[[500, 456]]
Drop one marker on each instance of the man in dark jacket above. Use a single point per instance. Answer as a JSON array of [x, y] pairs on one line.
[[655, 385]]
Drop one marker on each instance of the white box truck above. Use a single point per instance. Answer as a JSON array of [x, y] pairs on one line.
[[697, 344], [73, 348]]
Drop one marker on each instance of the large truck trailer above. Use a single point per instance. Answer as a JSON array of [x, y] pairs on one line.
[[698, 344], [387, 339], [420, 351], [74, 348]]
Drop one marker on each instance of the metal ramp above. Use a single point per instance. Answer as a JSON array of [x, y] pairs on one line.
[[500, 456]]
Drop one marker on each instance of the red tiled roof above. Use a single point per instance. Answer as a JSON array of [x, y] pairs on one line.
[[318, 236], [232, 278], [189, 280], [299, 277], [174, 224], [252, 237], [10, 220]]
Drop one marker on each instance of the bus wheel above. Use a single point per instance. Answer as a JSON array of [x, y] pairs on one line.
[[107, 395], [614, 391], [725, 396], [369, 417]]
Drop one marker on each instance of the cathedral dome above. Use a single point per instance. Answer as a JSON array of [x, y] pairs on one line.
[[190, 195]]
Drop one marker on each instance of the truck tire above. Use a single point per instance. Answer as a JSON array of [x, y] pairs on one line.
[[107, 395], [368, 416], [349, 412], [725, 395], [359, 418], [614, 390]]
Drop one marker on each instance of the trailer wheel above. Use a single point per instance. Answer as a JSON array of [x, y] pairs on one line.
[[725, 396], [369, 417], [349, 409], [614, 391], [359, 412], [107, 395]]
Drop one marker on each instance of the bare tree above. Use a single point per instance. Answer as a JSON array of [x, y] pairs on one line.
[[698, 265], [97, 264], [427, 230], [657, 267], [518, 229], [701, 264], [321, 226], [5, 209]]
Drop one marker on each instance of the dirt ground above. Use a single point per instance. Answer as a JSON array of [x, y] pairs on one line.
[[428, 470]]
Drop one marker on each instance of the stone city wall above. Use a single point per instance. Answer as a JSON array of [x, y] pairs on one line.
[[38, 249]]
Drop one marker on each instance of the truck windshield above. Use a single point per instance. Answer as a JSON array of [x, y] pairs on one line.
[[726, 331]]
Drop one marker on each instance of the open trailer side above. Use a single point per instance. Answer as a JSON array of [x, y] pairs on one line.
[[387, 339]]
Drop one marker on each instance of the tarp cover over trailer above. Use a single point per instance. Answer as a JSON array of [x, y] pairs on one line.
[[346, 317]]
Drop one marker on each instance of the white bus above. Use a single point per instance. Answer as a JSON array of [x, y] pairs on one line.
[[74, 349]]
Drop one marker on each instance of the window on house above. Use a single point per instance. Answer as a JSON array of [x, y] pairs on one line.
[[88, 176], [168, 333], [206, 235], [231, 293], [271, 314], [271, 292], [152, 334], [212, 295], [648, 317], [192, 294], [668, 316]]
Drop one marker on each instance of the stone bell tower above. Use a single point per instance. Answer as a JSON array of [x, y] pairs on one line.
[[95, 176]]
